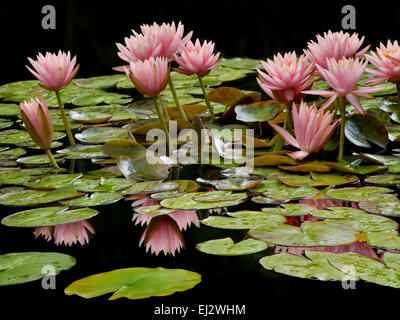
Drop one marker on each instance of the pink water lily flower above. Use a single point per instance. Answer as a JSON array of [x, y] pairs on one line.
[[169, 36], [150, 77], [343, 76], [312, 127], [184, 218], [336, 45], [36, 118], [286, 77], [54, 71], [197, 58], [387, 63], [67, 234], [139, 47], [162, 234]]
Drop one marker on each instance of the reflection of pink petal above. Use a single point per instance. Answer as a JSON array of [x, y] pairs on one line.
[[46, 232], [142, 200], [357, 247], [72, 233], [162, 234], [184, 218]]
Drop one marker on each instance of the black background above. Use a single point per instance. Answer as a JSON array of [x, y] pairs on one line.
[[89, 29]]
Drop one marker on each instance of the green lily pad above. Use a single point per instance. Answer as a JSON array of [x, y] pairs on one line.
[[101, 97], [119, 113], [258, 112], [40, 159], [102, 184], [53, 181], [333, 266], [242, 63], [275, 192], [153, 210], [386, 206], [310, 234], [95, 199], [344, 166], [16, 177], [392, 162], [101, 134], [389, 240], [47, 216], [356, 194], [317, 179], [9, 109], [383, 179], [28, 197], [226, 247], [291, 209], [187, 202], [102, 82], [14, 136], [243, 220], [24, 267], [80, 151], [363, 129], [135, 283], [90, 117]]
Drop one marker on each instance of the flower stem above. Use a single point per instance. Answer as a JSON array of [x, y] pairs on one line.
[[287, 125], [177, 102], [163, 107], [51, 158], [162, 120], [64, 117], [398, 91], [342, 110], [206, 97]]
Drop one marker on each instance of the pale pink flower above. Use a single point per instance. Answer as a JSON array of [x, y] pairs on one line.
[[36, 118], [67, 234], [286, 77], [150, 77], [139, 47], [343, 76], [162, 234], [197, 58], [142, 200], [387, 63], [54, 71], [312, 128], [336, 45], [169, 36]]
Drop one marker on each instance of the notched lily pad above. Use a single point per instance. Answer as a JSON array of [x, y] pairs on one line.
[[226, 247]]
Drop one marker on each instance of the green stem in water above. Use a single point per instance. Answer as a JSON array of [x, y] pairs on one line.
[[162, 120], [163, 107], [206, 97], [51, 158], [398, 91], [342, 110], [64, 117], [177, 102], [287, 125]]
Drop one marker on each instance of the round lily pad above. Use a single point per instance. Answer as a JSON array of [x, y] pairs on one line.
[[47, 216], [356, 194], [30, 266], [258, 112], [101, 134], [310, 234], [135, 283], [226, 247], [40, 159], [95, 199], [317, 179], [187, 202], [383, 179], [102, 184], [90, 117], [52, 182]]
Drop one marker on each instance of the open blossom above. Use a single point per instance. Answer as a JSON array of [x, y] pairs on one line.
[[312, 128], [197, 58], [67, 234], [336, 45], [36, 118], [162, 234], [387, 63], [169, 36], [150, 77], [286, 77], [343, 76], [139, 47], [54, 71]]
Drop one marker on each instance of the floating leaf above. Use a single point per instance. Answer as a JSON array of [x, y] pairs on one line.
[[52, 182], [90, 117], [226, 247], [383, 179], [225, 95], [102, 82], [310, 234], [47, 216], [356, 194], [95, 199], [362, 129], [135, 283], [291, 209], [101, 134], [80, 151], [386, 206], [257, 112], [40, 159], [102, 184], [389, 240], [30, 266], [273, 160], [317, 179]]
